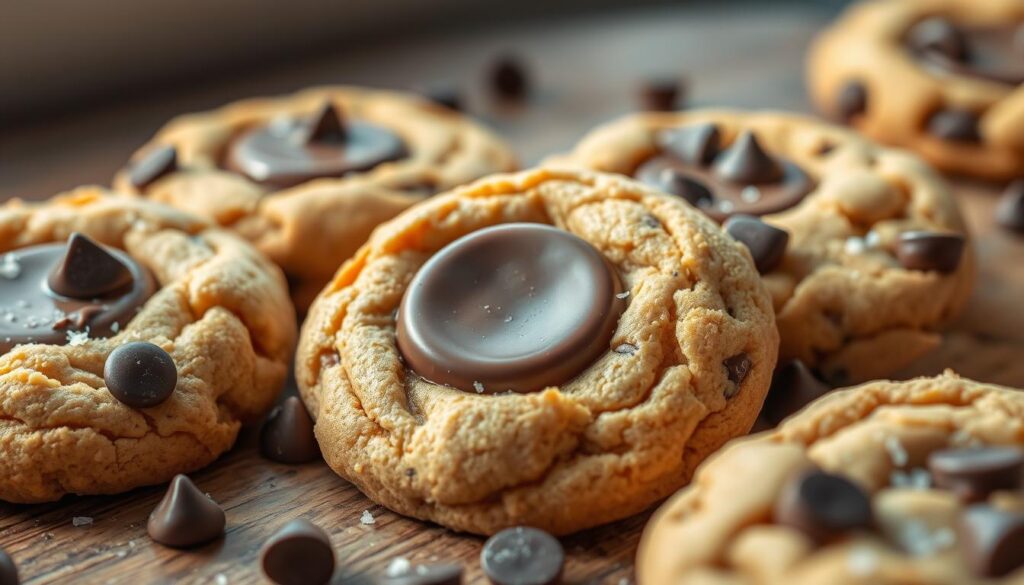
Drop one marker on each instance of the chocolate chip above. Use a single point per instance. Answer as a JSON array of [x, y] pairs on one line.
[[954, 125], [440, 574], [79, 320], [508, 78], [157, 163], [522, 556], [938, 35], [87, 270], [287, 436], [140, 374], [8, 570], [793, 387], [299, 553], [444, 95], [823, 506], [975, 472], [747, 163], [697, 144], [992, 540], [185, 517], [1010, 211], [693, 191], [918, 250], [852, 100], [661, 94], [767, 244], [325, 126], [737, 367]]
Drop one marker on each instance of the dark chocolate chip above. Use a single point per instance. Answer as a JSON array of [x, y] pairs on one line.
[[767, 244], [300, 553], [697, 144], [326, 125], [737, 367], [508, 78], [661, 94], [852, 100], [992, 540], [157, 163], [793, 387], [185, 517], [955, 125], [693, 191], [938, 35], [8, 570], [919, 250], [140, 374], [287, 436], [1010, 211], [87, 270], [747, 163], [522, 556], [440, 574], [823, 506], [445, 95], [975, 472]]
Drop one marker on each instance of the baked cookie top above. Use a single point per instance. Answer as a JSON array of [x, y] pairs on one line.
[[941, 77], [873, 256], [889, 482], [683, 367], [307, 176], [76, 415]]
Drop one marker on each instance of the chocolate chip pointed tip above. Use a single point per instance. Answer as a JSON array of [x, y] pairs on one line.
[[922, 250], [140, 374], [693, 191], [155, 164], [746, 162], [991, 540], [522, 556], [287, 436], [326, 125], [696, 144], [8, 569], [767, 243], [1010, 210], [185, 517], [300, 553], [87, 270], [822, 505]]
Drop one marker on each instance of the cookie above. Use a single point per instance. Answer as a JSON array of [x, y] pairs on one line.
[[554, 348], [307, 177], [135, 341], [863, 248], [944, 78], [889, 482]]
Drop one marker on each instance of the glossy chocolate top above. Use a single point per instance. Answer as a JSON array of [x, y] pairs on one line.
[[513, 307], [993, 53]]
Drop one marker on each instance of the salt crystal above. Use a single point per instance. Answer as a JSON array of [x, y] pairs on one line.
[[622, 295], [78, 337], [854, 245], [897, 453], [478, 387], [79, 521], [9, 267], [862, 562], [221, 579], [115, 327], [398, 567], [367, 518], [873, 239], [750, 194]]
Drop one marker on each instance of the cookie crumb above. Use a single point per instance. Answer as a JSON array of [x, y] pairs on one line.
[[79, 521], [367, 518], [9, 267]]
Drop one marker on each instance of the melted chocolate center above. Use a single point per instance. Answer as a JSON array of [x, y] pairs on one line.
[[992, 53]]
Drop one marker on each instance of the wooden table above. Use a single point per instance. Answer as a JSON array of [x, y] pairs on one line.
[[586, 71]]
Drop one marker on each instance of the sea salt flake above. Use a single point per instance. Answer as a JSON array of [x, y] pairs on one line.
[[221, 579], [750, 194], [622, 295], [79, 521], [115, 327], [855, 245], [873, 239], [367, 518], [9, 267], [478, 387], [862, 562], [78, 337], [897, 452], [398, 567]]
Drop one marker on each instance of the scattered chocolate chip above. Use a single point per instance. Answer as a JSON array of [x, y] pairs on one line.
[[661, 94], [299, 553], [87, 270], [793, 387], [287, 436], [975, 472], [823, 506], [747, 163], [693, 191], [140, 374], [1010, 211], [156, 164], [992, 540], [8, 570], [444, 95], [522, 556], [440, 574], [919, 250], [767, 244], [185, 517], [696, 145], [939, 35], [508, 78], [737, 367], [325, 126], [78, 320], [955, 125], [852, 100]]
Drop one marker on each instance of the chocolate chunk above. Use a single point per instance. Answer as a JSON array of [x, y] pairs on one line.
[[955, 125], [767, 244], [823, 506], [939, 35], [693, 191], [522, 556], [508, 78], [919, 250], [325, 126], [1010, 211], [8, 570], [440, 574], [287, 436], [185, 517], [661, 94], [300, 553], [852, 100], [975, 472], [512, 307], [88, 270], [157, 163], [747, 163], [696, 145], [140, 374], [992, 540], [737, 367], [793, 387], [444, 95]]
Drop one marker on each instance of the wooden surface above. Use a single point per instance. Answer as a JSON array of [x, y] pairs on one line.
[[586, 71]]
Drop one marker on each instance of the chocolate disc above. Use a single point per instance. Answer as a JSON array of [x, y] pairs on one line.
[[140, 374], [823, 506], [288, 152], [522, 556], [513, 307], [975, 472], [990, 53], [920, 250], [992, 540], [32, 312]]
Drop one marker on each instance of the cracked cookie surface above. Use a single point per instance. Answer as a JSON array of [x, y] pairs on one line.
[[845, 304], [624, 432], [220, 310]]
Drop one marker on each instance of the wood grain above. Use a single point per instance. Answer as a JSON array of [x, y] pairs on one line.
[[586, 71]]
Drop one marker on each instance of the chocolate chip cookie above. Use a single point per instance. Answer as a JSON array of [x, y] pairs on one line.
[[944, 78], [135, 340], [553, 348], [890, 482], [862, 248], [307, 177]]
